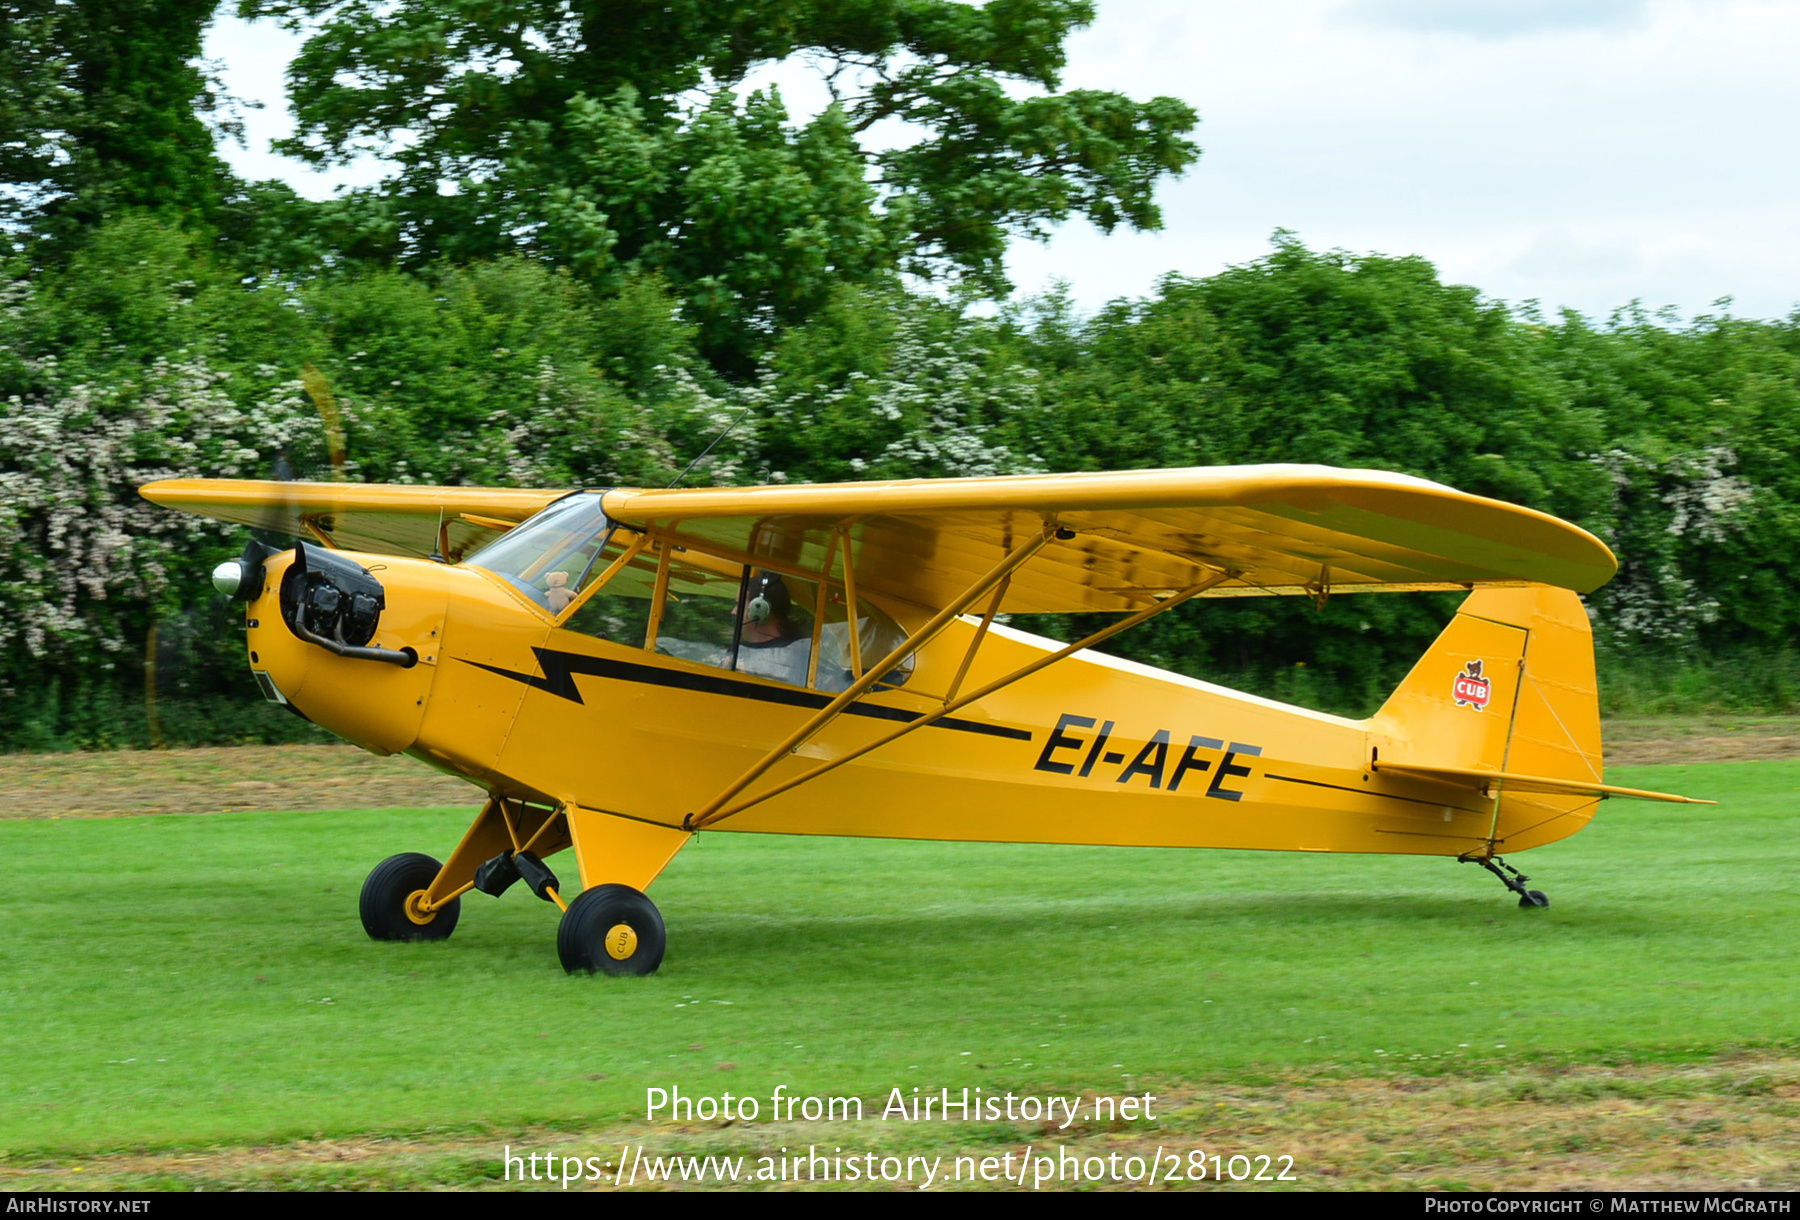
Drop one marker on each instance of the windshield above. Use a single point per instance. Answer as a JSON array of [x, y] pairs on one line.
[[550, 558]]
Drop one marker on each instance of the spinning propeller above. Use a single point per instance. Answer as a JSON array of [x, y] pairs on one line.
[[175, 647]]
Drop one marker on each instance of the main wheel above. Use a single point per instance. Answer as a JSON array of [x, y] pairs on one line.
[[611, 929], [390, 897]]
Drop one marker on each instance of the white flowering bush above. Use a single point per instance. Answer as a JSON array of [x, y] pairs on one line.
[[134, 365], [933, 397], [86, 564], [1675, 518]]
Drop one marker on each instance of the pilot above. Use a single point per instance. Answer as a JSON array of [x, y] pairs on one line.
[[768, 644]]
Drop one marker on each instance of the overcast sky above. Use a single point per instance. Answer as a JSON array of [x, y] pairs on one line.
[[1583, 153]]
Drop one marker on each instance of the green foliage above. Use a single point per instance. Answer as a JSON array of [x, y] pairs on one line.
[[612, 138], [36, 95], [143, 358], [148, 355], [1343, 361], [101, 108], [886, 384], [112, 375], [512, 373], [1649, 682], [1320, 358], [599, 248], [224, 709], [1671, 442], [1702, 422]]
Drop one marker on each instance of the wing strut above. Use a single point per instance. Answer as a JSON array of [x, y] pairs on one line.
[[987, 620], [955, 704], [917, 640]]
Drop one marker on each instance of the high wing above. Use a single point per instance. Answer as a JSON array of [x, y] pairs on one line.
[[390, 519], [1137, 536]]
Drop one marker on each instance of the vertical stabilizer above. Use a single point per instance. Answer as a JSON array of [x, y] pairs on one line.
[[1508, 686]]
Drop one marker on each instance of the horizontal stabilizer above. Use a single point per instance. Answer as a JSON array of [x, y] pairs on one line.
[[1472, 777]]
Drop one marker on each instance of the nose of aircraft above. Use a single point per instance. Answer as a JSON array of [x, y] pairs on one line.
[[239, 579], [348, 641]]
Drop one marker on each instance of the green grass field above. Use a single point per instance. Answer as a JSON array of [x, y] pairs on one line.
[[178, 982]]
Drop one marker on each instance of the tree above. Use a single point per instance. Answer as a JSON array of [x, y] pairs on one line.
[[100, 113], [1329, 358], [889, 384], [1702, 421], [610, 136]]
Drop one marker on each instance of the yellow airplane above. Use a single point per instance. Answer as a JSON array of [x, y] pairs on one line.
[[623, 669]]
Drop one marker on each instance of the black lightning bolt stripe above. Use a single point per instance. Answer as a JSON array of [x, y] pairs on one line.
[[562, 668]]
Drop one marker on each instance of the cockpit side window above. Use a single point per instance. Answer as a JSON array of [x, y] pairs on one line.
[[875, 635], [619, 610], [775, 627], [697, 619], [749, 620]]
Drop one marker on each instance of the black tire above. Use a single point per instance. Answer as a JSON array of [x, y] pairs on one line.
[[384, 895], [596, 914], [1534, 898]]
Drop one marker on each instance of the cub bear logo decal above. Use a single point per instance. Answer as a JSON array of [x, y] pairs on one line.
[[1471, 689]]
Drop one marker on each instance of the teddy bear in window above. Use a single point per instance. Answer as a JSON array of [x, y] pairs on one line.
[[558, 594]]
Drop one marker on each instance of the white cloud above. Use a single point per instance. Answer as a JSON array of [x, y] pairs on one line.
[[1495, 18], [254, 57], [1668, 141]]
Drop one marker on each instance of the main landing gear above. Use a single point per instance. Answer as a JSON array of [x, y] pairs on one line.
[[610, 929], [1512, 879], [393, 901]]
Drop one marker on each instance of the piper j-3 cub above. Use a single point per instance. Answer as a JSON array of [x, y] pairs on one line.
[[830, 660]]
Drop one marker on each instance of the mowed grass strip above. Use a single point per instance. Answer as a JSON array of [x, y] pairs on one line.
[[177, 982], [1654, 1127]]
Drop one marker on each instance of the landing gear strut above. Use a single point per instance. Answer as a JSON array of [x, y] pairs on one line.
[[1511, 878]]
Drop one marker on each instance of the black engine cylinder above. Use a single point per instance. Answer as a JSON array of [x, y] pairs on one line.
[[331, 597]]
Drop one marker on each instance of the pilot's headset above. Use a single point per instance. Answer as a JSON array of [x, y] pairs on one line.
[[768, 598]]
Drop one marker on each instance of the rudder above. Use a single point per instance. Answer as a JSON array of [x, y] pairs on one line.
[[1533, 649]]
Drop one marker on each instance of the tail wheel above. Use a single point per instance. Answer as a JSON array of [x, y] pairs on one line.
[[611, 929], [392, 899]]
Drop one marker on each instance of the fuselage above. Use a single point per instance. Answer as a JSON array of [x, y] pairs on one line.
[[1091, 750]]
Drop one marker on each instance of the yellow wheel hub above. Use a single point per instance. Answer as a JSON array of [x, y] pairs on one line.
[[416, 909], [621, 941]]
